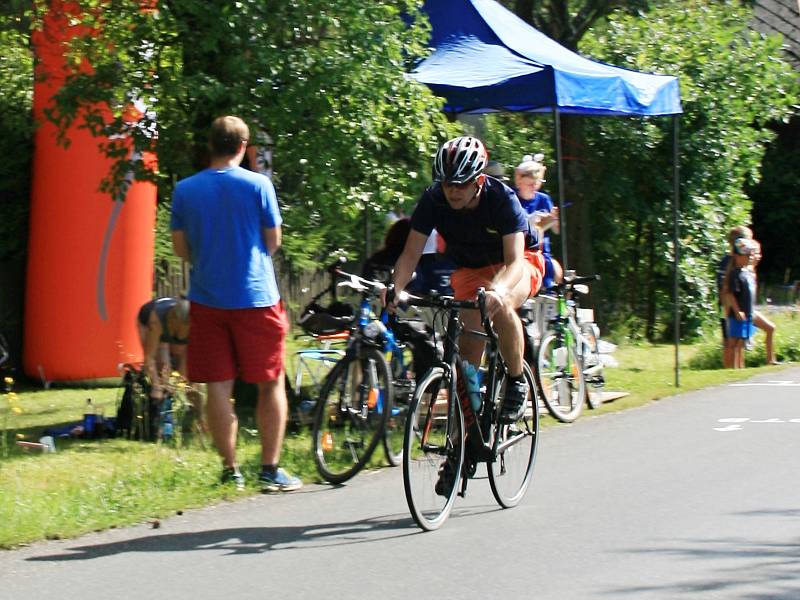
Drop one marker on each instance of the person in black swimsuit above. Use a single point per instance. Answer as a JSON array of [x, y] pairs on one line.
[[164, 333]]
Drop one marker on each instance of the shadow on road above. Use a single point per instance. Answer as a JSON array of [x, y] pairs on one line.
[[769, 566], [250, 540]]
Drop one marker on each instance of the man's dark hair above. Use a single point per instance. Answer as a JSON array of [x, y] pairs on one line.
[[227, 135]]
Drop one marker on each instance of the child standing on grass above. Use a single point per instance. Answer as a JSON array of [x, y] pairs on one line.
[[741, 300]]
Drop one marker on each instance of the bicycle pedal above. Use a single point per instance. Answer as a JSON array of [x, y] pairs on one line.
[[470, 468]]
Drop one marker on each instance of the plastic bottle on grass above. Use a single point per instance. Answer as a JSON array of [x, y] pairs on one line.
[[89, 419]]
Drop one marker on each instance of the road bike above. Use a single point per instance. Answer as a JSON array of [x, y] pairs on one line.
[[564, 353], [364, 398], [445, 438]]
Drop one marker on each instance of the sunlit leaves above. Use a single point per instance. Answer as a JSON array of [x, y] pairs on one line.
[[16, 131], [324, 79], [733, 82]]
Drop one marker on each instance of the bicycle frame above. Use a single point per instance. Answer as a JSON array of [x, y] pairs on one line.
[[565, 323], [481, 447]]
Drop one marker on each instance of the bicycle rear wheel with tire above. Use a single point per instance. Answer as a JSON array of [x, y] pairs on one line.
[[433, 450], [511, 472], [403, 385], [592, 362], [560, 374], [351, 413]]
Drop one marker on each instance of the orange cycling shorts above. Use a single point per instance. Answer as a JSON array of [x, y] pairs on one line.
[[465, 282]]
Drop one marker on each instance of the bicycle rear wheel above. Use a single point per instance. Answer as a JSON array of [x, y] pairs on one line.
[[433, 450], [592, 369], [511, 472], [560, 374], [403, 385], [351, 414]]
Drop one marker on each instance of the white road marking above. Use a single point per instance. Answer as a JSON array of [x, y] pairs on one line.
[[776, 383], [728, 428], [737, 423]]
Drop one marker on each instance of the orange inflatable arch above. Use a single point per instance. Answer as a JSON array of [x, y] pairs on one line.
[[90, 258]]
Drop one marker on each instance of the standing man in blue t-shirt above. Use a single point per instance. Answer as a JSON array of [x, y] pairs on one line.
[[226, 223], [488, 238]]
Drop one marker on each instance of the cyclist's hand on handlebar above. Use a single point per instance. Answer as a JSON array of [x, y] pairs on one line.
[[389, 299], [392, 299]]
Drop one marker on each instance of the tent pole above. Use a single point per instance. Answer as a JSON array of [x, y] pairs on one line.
[[675, 239], [562, 217]]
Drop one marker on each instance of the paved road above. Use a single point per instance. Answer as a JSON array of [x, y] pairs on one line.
[[694, 496]]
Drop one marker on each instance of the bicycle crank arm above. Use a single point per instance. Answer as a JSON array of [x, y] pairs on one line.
[[511, 442]]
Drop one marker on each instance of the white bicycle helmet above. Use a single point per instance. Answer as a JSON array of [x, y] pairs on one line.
[[460, 160]]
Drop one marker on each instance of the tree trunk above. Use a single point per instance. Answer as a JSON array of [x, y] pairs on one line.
[[650, 327], [634, 276], [578, 198]]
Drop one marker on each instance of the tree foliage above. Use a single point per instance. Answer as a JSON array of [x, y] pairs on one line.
[[733, 82], [324, 79], [16, 132], [567, 21], [353, 136], [776, 209]]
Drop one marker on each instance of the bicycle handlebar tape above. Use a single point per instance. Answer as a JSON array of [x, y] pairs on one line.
[[90, 254]]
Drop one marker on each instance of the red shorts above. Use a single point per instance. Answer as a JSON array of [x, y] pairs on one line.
[[248, 342], [465, 282]]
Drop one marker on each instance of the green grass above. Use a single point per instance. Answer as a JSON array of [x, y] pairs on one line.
[[92, 485], [647, 371]]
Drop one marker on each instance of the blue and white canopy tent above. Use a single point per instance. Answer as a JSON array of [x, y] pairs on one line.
[[486, 59]]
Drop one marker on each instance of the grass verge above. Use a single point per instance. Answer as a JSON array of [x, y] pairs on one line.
[[90, 485]]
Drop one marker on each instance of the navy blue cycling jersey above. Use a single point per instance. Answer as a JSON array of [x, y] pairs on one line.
[[474, 237]]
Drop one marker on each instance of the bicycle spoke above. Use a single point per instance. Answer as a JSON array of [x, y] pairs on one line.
[[511, 472], [349, 421]]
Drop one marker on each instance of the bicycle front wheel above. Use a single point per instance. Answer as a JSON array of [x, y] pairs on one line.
[[351, 413], [512, 470], [561, 380], [433, 450]]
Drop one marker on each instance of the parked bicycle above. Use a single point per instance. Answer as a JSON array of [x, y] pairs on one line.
[[364, 398], [310, 365], [445, 438], [596, 356], [565, 357]]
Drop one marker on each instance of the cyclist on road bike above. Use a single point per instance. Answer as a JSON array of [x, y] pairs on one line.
[[492, 245]]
